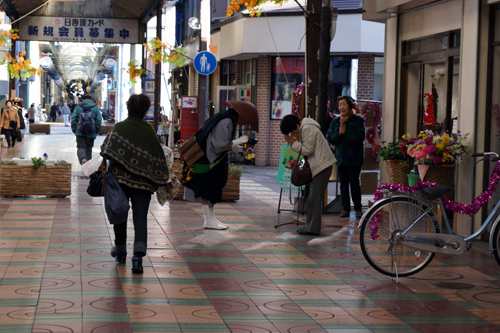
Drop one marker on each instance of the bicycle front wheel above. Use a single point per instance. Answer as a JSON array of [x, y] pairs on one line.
[[496, 243], [382, 243]]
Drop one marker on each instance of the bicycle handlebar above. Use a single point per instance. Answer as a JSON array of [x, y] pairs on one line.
[[485, 154]]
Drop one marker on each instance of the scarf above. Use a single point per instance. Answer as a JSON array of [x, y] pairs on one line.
[[347, 116], [133, 145]]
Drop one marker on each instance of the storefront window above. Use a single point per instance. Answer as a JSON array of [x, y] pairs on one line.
[[287, 74]]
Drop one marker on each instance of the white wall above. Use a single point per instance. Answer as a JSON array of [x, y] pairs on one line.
[[35, 86]]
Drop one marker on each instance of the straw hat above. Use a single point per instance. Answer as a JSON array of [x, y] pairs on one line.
[[248, 111]]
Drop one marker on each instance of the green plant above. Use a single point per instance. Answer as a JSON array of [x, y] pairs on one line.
[[236, 171], [63, 163], [7, 162], [39, 161], [391, 151]]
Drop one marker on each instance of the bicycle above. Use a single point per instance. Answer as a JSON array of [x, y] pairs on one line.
[[410, 233]]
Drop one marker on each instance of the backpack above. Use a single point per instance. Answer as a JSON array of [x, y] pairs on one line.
[[86, 122]]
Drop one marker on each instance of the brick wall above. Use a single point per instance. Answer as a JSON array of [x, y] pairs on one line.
[[366, 67], [263, 95], [268, 149]]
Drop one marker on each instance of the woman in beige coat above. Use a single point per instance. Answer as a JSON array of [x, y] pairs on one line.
[[10, 114], [320, 158]]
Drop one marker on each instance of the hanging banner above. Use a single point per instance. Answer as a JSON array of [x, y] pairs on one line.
[[148, 89], [72, 29]]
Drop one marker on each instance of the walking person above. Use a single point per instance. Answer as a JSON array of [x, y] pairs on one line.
[[139, 165], [66, 112], [10, 123], [204, 182], [85, 123], [53, 112], [31, 114], [347, 134], [314, 146]]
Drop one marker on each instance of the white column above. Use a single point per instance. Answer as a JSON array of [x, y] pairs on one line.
[[391, 64], [468, 104]]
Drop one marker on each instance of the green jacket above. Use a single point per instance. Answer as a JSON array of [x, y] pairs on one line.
[[349, 149], [75, 118]]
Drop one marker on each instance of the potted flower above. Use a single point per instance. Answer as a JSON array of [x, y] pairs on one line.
[[436, 155], [399, 162]]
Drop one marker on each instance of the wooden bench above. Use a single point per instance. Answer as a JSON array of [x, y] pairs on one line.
[[39, 128]]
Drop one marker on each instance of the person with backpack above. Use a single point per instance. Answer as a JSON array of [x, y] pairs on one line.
[[85, 123]]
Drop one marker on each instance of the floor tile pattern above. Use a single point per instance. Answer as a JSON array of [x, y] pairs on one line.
[[56, 274]]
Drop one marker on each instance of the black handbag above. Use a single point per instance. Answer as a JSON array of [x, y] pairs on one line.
[[96, 183], [301, 172], [115, 201], [19, 136], [13, 124]]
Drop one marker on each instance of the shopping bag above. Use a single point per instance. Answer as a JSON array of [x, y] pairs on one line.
[[19, 136], [96, 182], [115, 202], [92, 165]]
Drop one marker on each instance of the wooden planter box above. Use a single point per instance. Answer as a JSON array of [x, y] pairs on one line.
[[231, 192], [39, 128], [16, 180]]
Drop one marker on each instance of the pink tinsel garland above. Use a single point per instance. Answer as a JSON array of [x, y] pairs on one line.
[[296, 101], [470, 209]]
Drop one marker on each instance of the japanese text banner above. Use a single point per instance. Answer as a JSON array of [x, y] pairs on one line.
[[73, 29]]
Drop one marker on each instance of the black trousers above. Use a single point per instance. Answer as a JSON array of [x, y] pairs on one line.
[[140, 205], [349, 177], [10, 135], [31, 121], [53, 116]]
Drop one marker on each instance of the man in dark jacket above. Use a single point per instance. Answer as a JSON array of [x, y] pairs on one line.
[[85, 141], [53, 112]]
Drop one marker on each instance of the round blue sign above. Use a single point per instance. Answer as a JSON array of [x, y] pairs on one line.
[[205, 63]]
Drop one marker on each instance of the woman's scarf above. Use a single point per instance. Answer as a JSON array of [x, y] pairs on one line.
[[347, 116], [134, 146]]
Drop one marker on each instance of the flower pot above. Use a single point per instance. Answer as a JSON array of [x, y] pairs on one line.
[[398, 172]]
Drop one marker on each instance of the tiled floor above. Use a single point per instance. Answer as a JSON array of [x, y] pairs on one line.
[[56, 274]]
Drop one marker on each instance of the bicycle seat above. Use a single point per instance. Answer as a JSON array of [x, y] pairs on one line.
[[435, 192]]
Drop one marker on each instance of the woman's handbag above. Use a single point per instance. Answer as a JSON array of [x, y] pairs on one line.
[[96, 183], [301, 172], [19, 136], [115, 201], [13, 124], [191, 151]]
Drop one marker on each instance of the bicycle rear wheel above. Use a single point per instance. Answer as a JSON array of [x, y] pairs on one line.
[[388, 253]]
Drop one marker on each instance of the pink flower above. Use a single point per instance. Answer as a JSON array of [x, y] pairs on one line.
[[431, 149], [428, 141], [420, 154], [437, 160]]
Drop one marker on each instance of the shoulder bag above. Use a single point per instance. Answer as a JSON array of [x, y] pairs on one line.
[[96, 183], [301, 172], [115, 201]]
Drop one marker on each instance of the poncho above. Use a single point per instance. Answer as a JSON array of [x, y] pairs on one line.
[[137, 158]]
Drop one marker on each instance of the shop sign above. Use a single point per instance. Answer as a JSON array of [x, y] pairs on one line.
[[79, 29]]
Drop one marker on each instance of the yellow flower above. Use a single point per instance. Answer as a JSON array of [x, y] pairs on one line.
[[439, 146]]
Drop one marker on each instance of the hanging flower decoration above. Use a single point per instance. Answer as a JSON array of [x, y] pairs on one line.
[[7, 35], [19, 66], [296, 101], [77, 88], [157, 52], [373, 132], [253, 6], [134, 70], [460, 208]]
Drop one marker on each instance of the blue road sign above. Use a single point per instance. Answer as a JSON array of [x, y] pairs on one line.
[[205, 63]]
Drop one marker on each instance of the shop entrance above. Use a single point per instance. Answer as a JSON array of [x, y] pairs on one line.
[[235, 93]]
